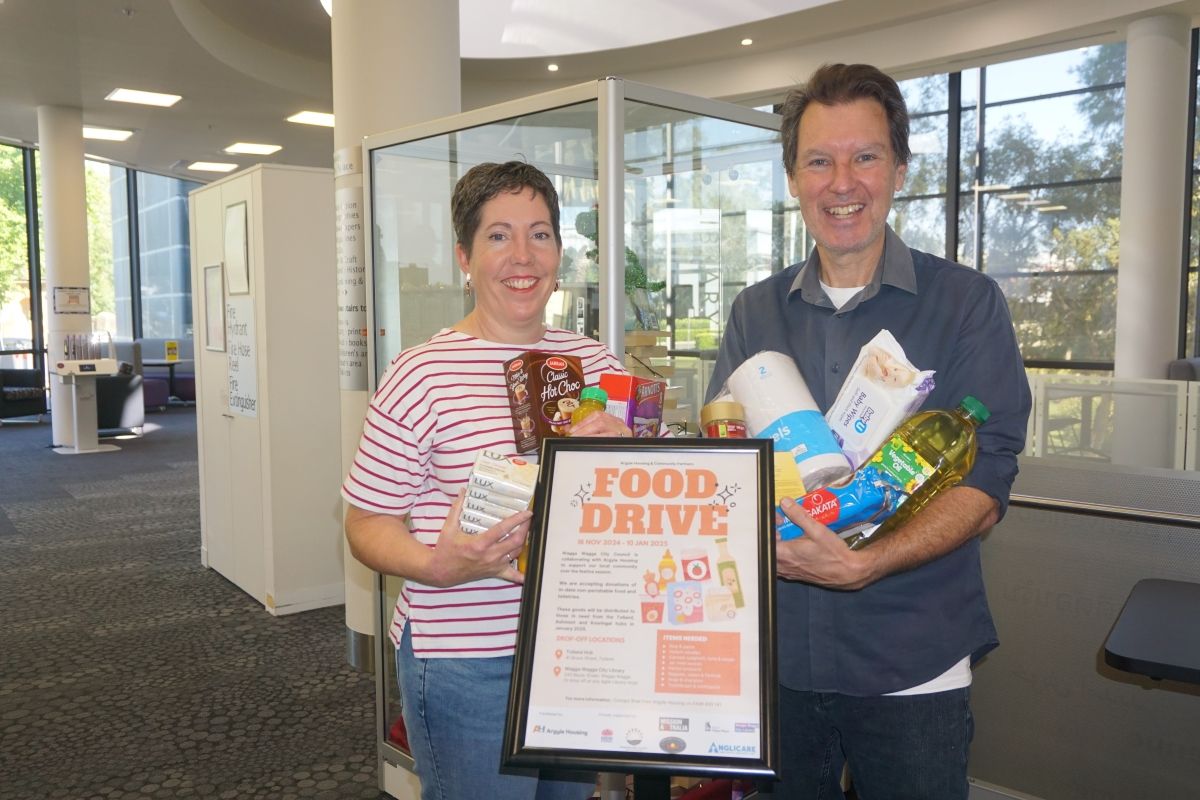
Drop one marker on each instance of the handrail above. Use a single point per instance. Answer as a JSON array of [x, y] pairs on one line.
[[1106, 511]]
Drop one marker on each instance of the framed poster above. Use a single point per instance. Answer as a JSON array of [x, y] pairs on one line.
[[646, 642], [72, 300], [237, 267], [214, 309]]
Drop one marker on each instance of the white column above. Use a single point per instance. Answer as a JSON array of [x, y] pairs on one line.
[[64, 215], [394, 64], [1152, 195]]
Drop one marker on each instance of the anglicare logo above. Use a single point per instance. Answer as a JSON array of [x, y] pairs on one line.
[[732, 749], [537, 728], [633, 736], [673, 723]]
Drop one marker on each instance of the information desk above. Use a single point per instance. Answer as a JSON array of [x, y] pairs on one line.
[[81, 376], [1156, 633]]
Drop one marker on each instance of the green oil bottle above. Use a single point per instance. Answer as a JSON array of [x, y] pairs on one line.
[[927, 454]]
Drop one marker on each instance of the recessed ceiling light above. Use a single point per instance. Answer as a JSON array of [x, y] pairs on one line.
[[1038, 202], [312, 118], [747, 42], [1016, 196], [211, 166], [991, 187], [107, 134], [252, 149], [552, 67], [1050, 208], [143, 98]]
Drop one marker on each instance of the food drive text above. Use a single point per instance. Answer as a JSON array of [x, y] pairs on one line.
[[663, 501]]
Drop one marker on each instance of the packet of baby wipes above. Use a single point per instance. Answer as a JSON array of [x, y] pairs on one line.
[[882, 390]]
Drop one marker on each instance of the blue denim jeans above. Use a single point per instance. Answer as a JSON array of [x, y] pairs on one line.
[[454, 710], [899, 748]]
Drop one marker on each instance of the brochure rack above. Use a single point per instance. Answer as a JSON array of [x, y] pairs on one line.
[[85, 357]]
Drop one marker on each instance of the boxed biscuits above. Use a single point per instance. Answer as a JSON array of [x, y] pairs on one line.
[[638, 402], [543, 391]]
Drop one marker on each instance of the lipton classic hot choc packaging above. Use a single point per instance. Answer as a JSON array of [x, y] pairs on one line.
[[543, 391]]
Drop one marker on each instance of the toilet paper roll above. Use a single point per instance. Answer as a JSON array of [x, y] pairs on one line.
[[780, 407]]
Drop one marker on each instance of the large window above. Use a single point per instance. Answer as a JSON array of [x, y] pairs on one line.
[[164, 270], [1192, 324], [104, 189], [1040, 204], [1035, 202], [16, 275]]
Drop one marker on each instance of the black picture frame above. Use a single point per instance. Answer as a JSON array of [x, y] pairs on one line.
[[573, 685]]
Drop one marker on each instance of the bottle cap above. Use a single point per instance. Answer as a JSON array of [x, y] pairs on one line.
[[593, 393], [721, 409], [975, 409]]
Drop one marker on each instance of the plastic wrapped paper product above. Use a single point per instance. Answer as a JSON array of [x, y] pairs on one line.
[[882, 390], [780, 407], [847, 507]]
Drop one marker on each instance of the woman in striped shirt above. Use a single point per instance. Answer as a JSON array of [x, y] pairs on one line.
[[437, 405]]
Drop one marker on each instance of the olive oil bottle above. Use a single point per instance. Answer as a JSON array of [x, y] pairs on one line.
[[927, 454]]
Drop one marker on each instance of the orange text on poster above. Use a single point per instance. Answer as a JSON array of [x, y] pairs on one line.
[[698, 662]]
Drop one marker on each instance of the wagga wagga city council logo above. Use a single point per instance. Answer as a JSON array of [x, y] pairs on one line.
[[672, 744]]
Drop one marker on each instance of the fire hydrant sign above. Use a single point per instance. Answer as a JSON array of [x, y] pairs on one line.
[[646, 638]]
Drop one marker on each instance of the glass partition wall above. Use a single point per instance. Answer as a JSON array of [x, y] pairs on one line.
[[670, 205]]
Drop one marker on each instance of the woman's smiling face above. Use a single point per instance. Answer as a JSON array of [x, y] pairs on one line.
[[513, 261]]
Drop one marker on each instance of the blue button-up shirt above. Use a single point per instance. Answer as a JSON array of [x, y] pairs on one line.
[[912, 626]]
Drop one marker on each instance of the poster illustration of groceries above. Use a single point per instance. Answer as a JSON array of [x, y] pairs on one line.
[[647, 637]]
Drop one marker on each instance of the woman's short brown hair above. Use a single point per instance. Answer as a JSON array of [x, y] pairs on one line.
[[482, 182]]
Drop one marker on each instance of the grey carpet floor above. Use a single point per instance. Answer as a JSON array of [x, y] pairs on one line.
[[127, 670]]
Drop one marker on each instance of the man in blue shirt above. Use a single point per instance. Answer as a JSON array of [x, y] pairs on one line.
[[876, 645]]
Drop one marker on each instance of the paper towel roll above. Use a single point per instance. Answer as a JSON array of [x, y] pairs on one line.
[[779, 406]]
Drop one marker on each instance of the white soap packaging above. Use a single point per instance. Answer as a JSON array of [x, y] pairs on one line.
[[498, 487], [882, 390]]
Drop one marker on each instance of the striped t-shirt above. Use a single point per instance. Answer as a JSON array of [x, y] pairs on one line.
[[437, 406]]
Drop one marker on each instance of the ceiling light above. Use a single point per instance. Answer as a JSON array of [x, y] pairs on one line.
[[312, 118], [252, 149], [1050, 208], [991, 187], [328, 6], [1036, 203], [143, 98], [211, 166], [747, 42], [1016, 196], [107, 134], [552, 67]]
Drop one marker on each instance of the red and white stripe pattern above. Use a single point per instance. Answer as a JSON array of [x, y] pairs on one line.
[[437, 406]]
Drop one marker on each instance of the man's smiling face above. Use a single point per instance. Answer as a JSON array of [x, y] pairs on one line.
[[844, 177]]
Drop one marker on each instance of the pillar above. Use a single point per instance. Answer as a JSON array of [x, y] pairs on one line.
[[394, 64], [64, 215], [1153, 194]]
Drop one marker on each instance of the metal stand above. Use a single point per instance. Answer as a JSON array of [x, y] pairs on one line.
[[651, 787], [83, 416]]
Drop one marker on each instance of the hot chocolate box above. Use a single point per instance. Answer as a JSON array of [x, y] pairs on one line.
[[543, 390]]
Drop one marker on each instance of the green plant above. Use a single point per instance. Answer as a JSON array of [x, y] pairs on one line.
[[587, 225]]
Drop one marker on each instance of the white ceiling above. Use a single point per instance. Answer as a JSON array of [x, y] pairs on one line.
[[243, 66], [540, 28]]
